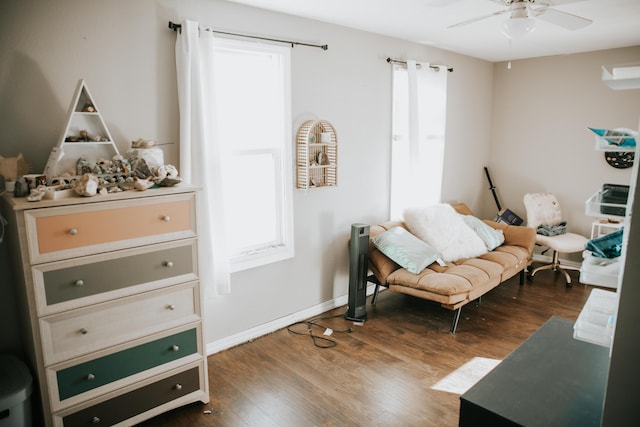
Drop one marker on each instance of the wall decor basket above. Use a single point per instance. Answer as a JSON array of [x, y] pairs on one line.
[[316, 155]]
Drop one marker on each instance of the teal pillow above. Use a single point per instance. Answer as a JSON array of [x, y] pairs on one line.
[[491, 237], [406, 249]]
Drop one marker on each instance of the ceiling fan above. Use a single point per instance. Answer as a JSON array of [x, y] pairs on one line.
[[522, 13]]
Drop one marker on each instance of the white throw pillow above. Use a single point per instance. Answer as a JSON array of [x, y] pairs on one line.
[[491, 237], [406, 249], [444, 229]]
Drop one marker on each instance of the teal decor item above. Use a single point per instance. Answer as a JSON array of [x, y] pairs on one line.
[[607, 246], [617, 137]]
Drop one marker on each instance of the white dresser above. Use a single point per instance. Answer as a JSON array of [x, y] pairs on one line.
[[110, 303]]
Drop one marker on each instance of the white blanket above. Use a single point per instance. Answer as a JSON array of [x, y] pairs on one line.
[[445, 230]]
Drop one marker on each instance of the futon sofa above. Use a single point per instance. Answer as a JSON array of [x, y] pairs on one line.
[[459, 282]]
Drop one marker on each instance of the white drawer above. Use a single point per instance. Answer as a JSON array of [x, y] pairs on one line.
[[82, 331], [72, 231]]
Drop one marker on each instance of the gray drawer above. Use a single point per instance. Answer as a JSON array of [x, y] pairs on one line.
[[62, 285], [136, 402]]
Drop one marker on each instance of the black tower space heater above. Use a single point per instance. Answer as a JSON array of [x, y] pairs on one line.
[[358, 268]]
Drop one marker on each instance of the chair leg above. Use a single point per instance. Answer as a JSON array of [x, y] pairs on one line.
[[555, 266]]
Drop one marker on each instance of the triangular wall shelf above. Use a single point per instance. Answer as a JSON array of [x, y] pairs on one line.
[[85, 136]]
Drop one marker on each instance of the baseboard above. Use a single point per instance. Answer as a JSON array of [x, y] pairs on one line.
[[267, 328]]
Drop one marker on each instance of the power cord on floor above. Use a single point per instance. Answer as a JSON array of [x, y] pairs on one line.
[[319, 341]]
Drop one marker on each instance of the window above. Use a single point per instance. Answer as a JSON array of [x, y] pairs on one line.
[[252, 91], [417, 146]]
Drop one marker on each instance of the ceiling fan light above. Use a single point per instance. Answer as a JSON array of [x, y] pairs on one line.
[[518, 27]]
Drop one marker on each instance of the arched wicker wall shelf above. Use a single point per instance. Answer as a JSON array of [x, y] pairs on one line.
[[316, 155]]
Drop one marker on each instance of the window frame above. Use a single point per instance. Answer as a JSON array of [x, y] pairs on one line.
[[283, 247]]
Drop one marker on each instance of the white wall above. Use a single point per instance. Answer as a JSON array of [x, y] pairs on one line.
[[539, 137], [125, 52]]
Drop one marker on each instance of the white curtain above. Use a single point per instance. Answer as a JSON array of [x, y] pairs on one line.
[[417, 146], [200, 152]]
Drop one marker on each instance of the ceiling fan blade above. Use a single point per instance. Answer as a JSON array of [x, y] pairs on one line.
[[480, 18], [563, 19], [549, 2]]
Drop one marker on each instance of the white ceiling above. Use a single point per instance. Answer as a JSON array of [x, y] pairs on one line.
[[616, 23]]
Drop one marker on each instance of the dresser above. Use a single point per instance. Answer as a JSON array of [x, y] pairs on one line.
[[110, 303]]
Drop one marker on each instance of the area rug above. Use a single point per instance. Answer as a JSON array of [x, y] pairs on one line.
[[466, 376]]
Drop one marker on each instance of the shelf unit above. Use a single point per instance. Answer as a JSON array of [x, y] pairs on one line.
[[603, 227], [611, 143], [316, 155], [605, 272], [83, 116], [621, 77], [596, 208]]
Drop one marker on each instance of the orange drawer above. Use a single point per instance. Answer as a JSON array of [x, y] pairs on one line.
[[72, 231]]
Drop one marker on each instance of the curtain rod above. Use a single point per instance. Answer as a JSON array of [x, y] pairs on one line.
[[435, 67], [176, 27]]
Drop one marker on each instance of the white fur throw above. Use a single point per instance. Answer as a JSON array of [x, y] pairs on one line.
[[542, 209], [445, 230]]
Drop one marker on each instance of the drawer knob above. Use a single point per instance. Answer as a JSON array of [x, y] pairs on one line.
[[168, 263], [175, 348], [73, 231], [95, 420], [84, 331], [166, 218], [178, 386], [91, 377], [79, 282], [171, 307]]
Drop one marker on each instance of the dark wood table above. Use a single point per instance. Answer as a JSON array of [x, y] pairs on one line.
[[551, 379]]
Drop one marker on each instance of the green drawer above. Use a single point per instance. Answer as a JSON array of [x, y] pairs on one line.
[[90, 279], [98, 372], [136, 402]]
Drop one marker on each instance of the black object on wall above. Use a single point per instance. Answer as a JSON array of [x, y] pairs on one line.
[[358, 267]]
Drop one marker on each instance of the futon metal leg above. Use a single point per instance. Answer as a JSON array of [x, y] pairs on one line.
[[456, 317], [521, 277], [374, 299], [373, 279]]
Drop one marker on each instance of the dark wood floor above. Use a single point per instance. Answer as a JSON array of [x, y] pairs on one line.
[[381, 373]]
